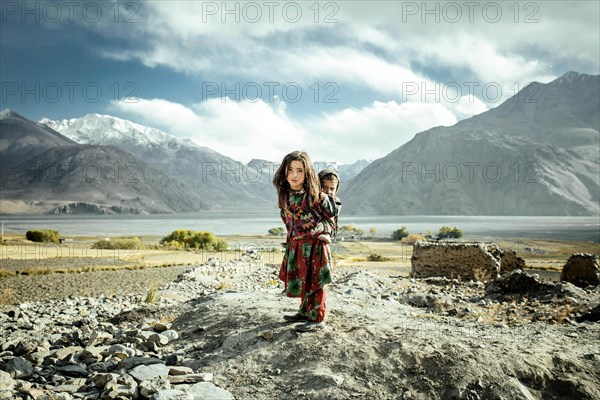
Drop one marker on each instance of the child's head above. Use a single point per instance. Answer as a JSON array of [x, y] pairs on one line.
[[296, 172], [330, 181]]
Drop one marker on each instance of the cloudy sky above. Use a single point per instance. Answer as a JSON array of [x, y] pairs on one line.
[[343, 80]]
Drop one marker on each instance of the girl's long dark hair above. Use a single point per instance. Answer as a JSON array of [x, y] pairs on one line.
[[311, 183]]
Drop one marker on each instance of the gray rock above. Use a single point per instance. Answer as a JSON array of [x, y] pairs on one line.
[[125, 386], [121, 351], [92, 354], [147, 372], [208, 391], [150, 387], [581, 270], [173, 370], [62, 353], [191, 378], [18, 367], [170, 334], [101, 380], [6, 381], [66, 388], [99, 338], [172, 394], [159, 339], [73, 370], [133, 362]]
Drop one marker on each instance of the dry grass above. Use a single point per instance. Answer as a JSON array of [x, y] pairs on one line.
[[553, 250], [8, 296], [5, 274], [224, 286], [482, 275], [153, 294], [397, 255]]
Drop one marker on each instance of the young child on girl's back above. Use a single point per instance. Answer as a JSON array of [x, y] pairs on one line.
[[330, 183]]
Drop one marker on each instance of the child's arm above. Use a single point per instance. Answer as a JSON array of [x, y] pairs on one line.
[[329, 206]]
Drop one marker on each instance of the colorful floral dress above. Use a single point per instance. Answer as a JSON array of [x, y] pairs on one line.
[[306, 267]]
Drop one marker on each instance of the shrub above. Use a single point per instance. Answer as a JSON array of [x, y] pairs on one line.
[[279, 231], [400, 233], [134, 243], [376, 257], [446, 232], [42, 235], [412, 238], [351, 229], [194, 240]]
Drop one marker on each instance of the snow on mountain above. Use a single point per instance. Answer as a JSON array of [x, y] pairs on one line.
[[214, 176], [109, 130]]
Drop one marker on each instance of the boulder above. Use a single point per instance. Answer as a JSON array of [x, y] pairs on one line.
[[581, 270]]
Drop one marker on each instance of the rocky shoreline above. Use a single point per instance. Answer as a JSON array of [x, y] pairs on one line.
[[217, 333]]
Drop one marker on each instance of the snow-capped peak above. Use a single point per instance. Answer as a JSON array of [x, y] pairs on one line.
[[571, 77], [106, 130], [7, 112]]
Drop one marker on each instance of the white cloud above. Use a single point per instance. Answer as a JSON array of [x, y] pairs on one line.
[[373, 131], [374, 45], [244, 130], [241, 130], [375, 48]]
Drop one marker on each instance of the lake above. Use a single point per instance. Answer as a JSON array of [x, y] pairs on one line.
[[231, 222]]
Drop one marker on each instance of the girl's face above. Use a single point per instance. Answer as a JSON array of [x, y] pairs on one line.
[[295, 175]]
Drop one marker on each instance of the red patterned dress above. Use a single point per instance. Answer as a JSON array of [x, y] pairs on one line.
[[306, 267]]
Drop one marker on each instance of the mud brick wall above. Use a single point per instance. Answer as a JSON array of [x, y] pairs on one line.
[[509, 261], [462, 260]]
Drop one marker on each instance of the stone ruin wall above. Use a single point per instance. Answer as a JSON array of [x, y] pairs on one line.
[[461, 260]]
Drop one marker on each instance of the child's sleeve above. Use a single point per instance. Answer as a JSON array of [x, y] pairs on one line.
[[330, 206]]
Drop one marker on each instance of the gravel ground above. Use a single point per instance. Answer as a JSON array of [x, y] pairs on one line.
[[19, 289]]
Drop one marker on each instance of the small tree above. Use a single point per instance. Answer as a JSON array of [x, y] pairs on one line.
[[400, 233], [372, 231], [42, 235], [351, 229], [195, 240], [279, 231], [446, 232]]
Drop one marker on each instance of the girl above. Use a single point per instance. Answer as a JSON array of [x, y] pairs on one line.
[[306, 266]]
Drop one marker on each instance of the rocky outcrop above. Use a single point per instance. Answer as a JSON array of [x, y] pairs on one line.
[[518, 284], [462, 260], [581, 270], [91, 208], [88, 348]]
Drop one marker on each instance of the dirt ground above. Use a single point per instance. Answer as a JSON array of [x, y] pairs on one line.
[[388, 336]]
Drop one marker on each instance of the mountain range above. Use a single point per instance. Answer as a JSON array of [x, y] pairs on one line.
[[45, 172], [103, 164], [220, 180], [537, 153]]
